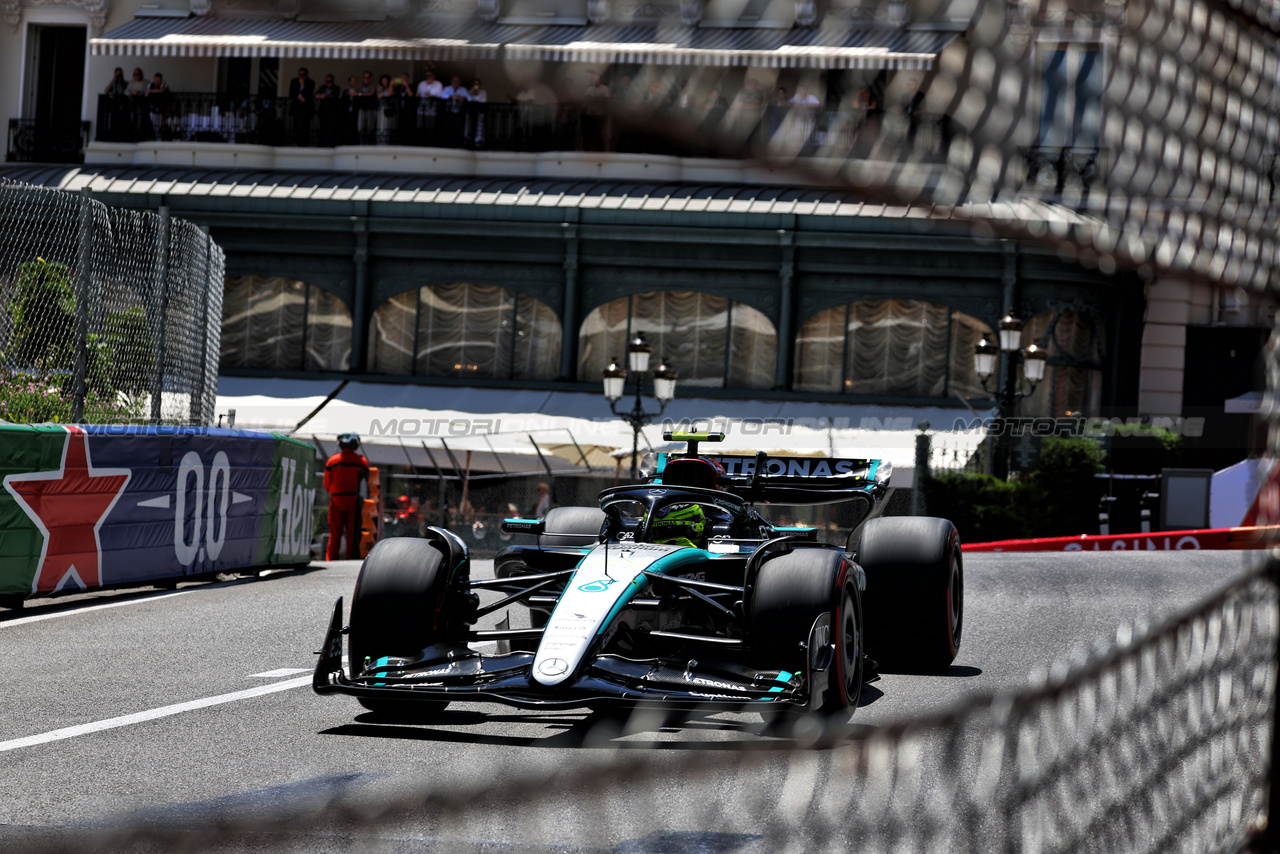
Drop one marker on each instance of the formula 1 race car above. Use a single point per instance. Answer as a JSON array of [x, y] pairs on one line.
[[675, 592]]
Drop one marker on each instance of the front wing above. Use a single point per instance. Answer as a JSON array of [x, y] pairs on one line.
[[454, 672]]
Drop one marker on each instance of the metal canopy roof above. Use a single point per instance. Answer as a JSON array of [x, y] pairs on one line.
[[518, 193], [418, 39]]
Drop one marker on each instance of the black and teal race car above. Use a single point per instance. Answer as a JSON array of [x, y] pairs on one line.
[[674, 592]]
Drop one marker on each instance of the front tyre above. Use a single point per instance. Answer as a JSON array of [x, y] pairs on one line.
[[396, 611], [791, 592], [914, 602]]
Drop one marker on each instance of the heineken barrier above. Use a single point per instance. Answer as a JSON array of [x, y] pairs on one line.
[[87, 507]]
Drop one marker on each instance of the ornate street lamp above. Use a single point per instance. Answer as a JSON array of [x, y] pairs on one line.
[[615, 379], [987, 362]]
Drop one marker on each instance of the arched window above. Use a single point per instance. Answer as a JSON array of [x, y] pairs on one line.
[[282, 324], [710, 340], [1074, 342], [468, 331], [902, 348]]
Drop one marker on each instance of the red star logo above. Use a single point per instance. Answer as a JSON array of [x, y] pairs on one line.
[[69, 506]]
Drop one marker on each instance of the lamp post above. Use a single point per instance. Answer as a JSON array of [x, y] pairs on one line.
[[615, 380], [987, 362]]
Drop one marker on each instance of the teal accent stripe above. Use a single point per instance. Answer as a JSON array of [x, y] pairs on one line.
[[783, 676], [663, 564], [662, 463], [381, 662]]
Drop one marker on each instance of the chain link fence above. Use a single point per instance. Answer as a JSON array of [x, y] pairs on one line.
[[110, 316], [1150, 741]]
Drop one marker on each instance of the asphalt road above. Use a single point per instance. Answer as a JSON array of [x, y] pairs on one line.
[[176, 709]]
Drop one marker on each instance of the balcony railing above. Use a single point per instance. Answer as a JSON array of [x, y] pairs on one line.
[[38, 141], [210, 117]]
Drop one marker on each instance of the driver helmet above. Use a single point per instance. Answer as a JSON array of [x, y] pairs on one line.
[[679, 525], [348, 441]]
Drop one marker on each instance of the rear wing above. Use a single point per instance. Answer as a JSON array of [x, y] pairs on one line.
[[798, 480]]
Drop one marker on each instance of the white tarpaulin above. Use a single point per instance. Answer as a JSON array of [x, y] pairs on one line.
[[566, 426]]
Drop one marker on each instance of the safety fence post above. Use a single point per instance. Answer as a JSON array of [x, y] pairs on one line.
[[83, 283], [160, 308]]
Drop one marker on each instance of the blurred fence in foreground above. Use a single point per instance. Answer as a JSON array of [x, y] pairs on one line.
[[1150, 742], [107, 316]]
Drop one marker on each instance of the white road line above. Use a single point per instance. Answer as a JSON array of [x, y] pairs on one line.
[[70, 612], [276, 674], [151, 714]]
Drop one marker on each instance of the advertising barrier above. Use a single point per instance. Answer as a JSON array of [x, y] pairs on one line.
[[1205, 538], [99, 506]]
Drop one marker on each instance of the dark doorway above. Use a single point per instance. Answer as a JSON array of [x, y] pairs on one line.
[[1221, 362], [51, 130], [58, 66]]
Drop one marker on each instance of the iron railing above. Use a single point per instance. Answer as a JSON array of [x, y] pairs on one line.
[[221, 118], [40, 141]]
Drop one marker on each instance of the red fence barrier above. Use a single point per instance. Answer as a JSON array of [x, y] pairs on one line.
[[1204, 538]]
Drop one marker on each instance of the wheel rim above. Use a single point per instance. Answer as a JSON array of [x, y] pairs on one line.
[[850, 646], [955, 601]]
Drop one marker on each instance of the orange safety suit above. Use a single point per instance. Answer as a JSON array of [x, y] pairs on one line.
[[342, 476]]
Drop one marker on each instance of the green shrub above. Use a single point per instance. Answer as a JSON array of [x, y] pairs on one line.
[[43, 350], [1064, 489], [1060, 499], [982, 507]]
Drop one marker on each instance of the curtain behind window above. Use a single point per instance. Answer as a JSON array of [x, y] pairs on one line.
[[328, 332], [266, 320], [1078, 336], [694, 332], [466, 330], [901, 348]]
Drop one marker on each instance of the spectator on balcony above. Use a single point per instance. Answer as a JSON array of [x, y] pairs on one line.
[[804, 98], [302, 106], [159, 103], [388, 109], [328, 104], [597, 91], [118, 85], [367, 111], [349, 110], [138, 85], [456, 98], [799, 127], [750, 97], [113, 110], [402, 98], [475, 114], [430, 90]]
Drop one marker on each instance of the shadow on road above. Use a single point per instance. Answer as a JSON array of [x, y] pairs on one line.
[[72, 601], [598, 730]]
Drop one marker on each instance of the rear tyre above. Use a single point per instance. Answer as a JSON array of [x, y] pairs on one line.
[[914, 603], [395, 611], [791, 592]]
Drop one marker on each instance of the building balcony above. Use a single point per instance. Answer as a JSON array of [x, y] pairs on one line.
[[430, 135]]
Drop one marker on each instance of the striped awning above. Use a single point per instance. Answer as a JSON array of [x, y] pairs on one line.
[[421, 39]]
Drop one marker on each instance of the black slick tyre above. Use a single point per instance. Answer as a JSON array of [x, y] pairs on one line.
[[395, 611], [914, 602], [791, 591]]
